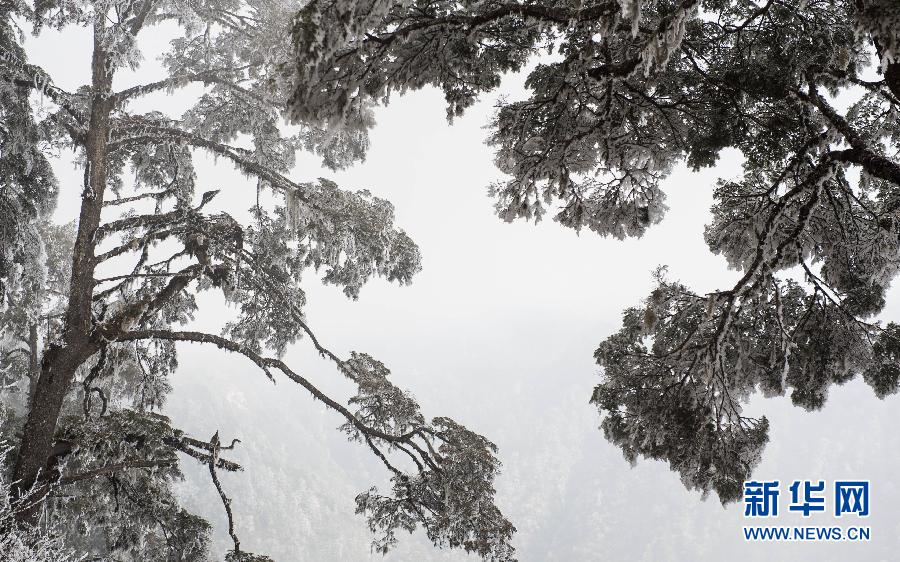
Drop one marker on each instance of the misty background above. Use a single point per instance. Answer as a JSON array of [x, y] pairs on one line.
[[497, 332]]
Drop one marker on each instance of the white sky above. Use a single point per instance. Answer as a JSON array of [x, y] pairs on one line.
[[498, 332]]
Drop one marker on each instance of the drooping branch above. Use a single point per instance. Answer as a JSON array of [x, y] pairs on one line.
[[29, 76], [403, 442], [860, 152], [431, 456], [264, 363], [133, 312], [203, 77], [112, 468], [155, 220], [560, 15], [153, 132], [140, 242], [874, 164]]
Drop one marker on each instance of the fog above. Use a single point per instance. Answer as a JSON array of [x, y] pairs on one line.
[[498, 332]]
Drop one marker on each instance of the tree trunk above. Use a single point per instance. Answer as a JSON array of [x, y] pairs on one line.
[[61, 360], [34, 367], [892, 78]]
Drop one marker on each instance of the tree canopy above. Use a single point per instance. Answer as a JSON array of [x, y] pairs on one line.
[[620, 92], [93, 312]]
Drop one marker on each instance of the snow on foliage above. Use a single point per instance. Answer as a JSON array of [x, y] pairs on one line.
[[633, 89], [27, 186], [451, 493], [23, 543], [92, 313]]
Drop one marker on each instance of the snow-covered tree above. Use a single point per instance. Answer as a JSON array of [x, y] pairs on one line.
[[26, 543], [630, 89], [27, 187], [93, 312]]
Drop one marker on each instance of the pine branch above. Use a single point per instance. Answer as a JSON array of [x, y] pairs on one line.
[[153, 132], [177, 81], [155, 220], [267, 364], [139, 243], [112, 468]]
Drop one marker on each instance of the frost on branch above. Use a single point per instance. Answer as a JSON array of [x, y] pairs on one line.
[[115, 495], [677, 374], [584, 139], [321, 30], [450, 493], [20, 543], [351, 235], [632, 89], [883, 372], [379, 404], [452, 500], [687, 363], [347, 237], [92, 314], [246, 557], [27, 185], [880, 19]]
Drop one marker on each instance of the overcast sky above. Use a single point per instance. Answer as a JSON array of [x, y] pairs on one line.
[[498, 332]]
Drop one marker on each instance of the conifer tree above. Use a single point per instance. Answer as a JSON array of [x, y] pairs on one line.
[[620, 92], [93, 313]]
